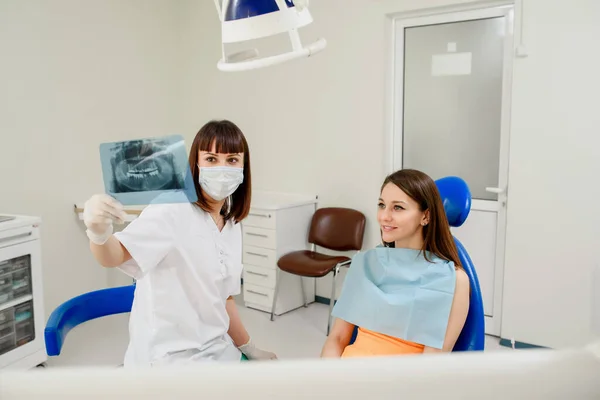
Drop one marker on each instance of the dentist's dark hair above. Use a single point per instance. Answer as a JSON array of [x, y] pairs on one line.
[[228, 138], [437, 237]]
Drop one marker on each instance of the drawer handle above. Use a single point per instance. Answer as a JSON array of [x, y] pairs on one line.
[[15, 237], [258, 293], [257, 254], [256, 273], [260, 215], [257, 234]]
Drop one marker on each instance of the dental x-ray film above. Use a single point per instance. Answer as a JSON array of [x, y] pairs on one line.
[[148, 171]]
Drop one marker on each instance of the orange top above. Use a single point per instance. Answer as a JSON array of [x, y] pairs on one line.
[[369, 343]]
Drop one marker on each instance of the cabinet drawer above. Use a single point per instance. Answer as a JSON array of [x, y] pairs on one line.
[[260, 218], [260, 257], [264, 277], [6, 315], [259, 295], [7, 328], [7, 343], [24, 330], [259, 237]]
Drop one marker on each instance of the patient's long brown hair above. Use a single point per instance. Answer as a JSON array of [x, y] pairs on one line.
[[437, 237]]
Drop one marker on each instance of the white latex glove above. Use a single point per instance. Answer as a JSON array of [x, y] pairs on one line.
[[99, 213], [254, 353]]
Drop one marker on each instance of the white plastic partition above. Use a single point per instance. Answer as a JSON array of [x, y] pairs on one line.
[[519, 374]]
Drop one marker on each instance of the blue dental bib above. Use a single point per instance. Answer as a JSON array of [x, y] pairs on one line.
[[398, 292]]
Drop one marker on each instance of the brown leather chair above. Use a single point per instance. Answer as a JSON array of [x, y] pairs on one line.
[[333, 228]]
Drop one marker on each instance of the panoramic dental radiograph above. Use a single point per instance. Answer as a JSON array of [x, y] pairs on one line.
[[145, 171], [144, 165]]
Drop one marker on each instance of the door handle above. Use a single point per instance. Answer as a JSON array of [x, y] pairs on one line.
[[495, 190]]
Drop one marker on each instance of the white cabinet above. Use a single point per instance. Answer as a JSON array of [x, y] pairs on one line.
[[22, 315], [278, 224]]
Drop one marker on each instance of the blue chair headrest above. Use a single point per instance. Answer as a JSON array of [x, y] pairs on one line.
[[456, 198]]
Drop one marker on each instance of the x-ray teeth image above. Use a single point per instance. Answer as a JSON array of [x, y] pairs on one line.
[[144, 165], [138, 171]]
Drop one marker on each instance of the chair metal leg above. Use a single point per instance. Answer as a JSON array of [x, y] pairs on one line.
[[303, 292], [277, 284], [332, 298]]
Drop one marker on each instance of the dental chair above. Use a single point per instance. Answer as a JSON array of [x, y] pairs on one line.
[[85, 307], [456, 198]]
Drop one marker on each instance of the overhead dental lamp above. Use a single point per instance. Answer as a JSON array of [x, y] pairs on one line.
[[244, 20]]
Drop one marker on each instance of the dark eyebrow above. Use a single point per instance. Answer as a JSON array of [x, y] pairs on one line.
[[395, 201], [208, 153]]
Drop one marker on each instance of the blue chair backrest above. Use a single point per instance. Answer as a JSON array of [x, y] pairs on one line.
[[456, 198]]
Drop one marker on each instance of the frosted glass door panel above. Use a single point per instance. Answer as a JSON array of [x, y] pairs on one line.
[[453, 99]]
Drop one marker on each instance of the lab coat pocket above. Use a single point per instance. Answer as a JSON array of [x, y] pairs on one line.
[[233, 278]]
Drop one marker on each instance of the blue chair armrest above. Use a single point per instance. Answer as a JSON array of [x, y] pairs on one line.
[[83, 308]]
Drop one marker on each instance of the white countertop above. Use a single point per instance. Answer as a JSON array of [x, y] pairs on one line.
[[266, 200], [19, 221]]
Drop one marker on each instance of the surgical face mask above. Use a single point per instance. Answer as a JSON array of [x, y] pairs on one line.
[[220, 182]]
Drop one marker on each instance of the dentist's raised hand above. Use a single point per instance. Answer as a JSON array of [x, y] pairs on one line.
[[99, 214]]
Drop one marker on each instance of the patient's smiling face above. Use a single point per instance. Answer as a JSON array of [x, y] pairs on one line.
[[400, 218]]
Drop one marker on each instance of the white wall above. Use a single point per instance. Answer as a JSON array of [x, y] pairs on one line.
[[318, 126], [72, 75], [553, 232]]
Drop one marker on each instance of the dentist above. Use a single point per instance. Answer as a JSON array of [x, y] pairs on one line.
[[186, 259]]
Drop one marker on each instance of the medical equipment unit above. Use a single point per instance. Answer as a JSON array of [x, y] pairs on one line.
[[246, 20], [21, 298]]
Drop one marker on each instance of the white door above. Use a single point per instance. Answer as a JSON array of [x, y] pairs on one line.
[[451, 101]]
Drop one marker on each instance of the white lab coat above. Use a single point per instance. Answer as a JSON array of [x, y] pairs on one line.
[[185, 271]]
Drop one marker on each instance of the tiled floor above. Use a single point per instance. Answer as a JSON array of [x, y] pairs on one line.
[[298, 334]]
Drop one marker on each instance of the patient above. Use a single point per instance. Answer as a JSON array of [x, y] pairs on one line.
[[411, 295]]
